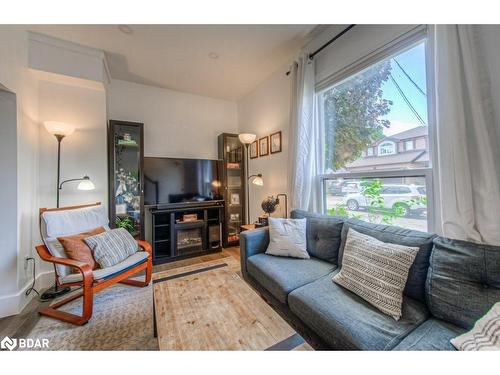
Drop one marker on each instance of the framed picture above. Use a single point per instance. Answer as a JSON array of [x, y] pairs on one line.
[[254, 150], [235, 198], [275, 142], [264, 146]]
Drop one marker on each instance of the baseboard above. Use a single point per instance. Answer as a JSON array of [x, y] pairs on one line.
[[13, 304]]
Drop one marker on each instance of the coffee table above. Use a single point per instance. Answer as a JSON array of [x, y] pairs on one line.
[[208, 306]]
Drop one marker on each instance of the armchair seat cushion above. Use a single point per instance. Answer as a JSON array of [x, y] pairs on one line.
[[104, 273]]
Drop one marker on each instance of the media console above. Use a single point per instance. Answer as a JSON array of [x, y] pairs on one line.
[[173, 237]]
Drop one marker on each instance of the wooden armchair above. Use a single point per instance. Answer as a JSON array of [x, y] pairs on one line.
[[77, 219]]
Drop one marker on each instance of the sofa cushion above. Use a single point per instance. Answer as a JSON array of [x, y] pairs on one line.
[[415, 286], [463, 281], [346, 321], [433, 334], [279, 275], [104, 273], [323, 234]]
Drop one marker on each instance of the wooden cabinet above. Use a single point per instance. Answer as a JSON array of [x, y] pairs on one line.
[[233, 186], [126, 178]]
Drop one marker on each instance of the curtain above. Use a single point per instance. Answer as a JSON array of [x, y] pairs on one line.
[[467, 178], [305, 149]]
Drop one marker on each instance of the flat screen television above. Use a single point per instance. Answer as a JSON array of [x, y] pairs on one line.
[[181, 181]]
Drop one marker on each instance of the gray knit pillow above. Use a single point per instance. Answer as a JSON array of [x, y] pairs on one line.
[[376, 271], [112, 247]]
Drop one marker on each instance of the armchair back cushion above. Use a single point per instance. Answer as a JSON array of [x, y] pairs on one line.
[[54, 224]]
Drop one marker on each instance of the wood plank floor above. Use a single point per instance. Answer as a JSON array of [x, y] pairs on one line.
[[19, 326]]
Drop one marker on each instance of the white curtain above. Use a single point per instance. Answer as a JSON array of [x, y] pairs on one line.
[[467, 179], [305, 150]]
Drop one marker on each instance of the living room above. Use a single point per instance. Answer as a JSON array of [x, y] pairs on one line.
[[275, 184]]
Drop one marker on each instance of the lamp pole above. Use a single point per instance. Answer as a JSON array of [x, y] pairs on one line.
[[59, 139], [247, 192]]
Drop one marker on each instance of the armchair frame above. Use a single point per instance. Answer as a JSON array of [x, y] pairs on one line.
[[88, 284]]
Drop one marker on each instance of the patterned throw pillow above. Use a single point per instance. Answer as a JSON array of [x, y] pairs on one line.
[[76, 249], [112, 247], [287, 238], [485, 335], [376, 271]]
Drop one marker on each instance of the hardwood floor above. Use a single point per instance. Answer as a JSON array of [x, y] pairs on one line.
[[20, 325]]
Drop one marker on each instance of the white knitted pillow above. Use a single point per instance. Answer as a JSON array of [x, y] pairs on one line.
[[485, 335]]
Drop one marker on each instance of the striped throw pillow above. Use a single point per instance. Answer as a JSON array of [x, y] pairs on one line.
[[376, 271], [112, 247], [485, 335]]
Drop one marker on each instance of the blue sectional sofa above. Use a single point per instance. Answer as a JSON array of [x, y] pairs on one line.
[[451, 284]]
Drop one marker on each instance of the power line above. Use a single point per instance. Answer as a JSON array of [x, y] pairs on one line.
[[408, 76], [407, 101]]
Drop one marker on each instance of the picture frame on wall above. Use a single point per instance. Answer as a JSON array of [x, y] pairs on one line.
[[264, 146], [235, 199], [275, 140], [254, 150]]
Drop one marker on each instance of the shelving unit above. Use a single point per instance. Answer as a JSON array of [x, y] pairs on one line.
[[233, 186], [173, 238]]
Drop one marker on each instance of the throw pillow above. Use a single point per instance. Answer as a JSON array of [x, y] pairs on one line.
[[112, 247], [485, 335], [376, 271], [76, 249], [287, 238]]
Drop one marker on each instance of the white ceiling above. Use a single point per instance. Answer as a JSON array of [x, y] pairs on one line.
[[177, 56]]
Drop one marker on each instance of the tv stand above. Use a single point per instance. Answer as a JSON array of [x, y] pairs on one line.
[[174, 237]]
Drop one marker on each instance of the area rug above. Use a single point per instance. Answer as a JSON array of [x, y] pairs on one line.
[[122, 320]]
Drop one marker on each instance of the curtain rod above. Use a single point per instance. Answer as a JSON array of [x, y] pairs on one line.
[[311, 56]]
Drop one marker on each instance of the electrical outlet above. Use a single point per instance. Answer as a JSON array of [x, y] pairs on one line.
[[26, 263]]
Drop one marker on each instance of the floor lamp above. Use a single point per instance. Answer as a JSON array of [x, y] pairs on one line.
[[61, 130], [247, 139]]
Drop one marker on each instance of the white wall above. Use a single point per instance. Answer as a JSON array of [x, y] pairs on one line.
[[82, 153], [176, 124], [15, 75], [264, 111]]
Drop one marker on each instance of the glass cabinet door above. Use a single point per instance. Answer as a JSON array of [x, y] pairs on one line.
[[231, 151], [126, 176]]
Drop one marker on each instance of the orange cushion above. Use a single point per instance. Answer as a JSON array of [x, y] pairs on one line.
[[76, 248]]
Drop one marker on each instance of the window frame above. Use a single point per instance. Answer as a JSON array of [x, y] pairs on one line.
[[399, 45], [379, 148]]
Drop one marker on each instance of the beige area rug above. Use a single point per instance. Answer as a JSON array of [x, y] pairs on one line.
[[122, 320]]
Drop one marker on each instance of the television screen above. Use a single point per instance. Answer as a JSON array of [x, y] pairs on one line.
[[169, 180]]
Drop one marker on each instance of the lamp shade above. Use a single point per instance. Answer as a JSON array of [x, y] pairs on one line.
[[247, 138], [258, 181], [59, 128], [86, 184]]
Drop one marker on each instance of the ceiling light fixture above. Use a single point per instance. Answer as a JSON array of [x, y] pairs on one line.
[[126, 29], [213, 55]]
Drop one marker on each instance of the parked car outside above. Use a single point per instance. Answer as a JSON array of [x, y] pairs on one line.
[[395, 196], [341, 188]]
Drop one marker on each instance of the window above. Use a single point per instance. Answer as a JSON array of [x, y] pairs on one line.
[[386, 148], [382, 106]]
